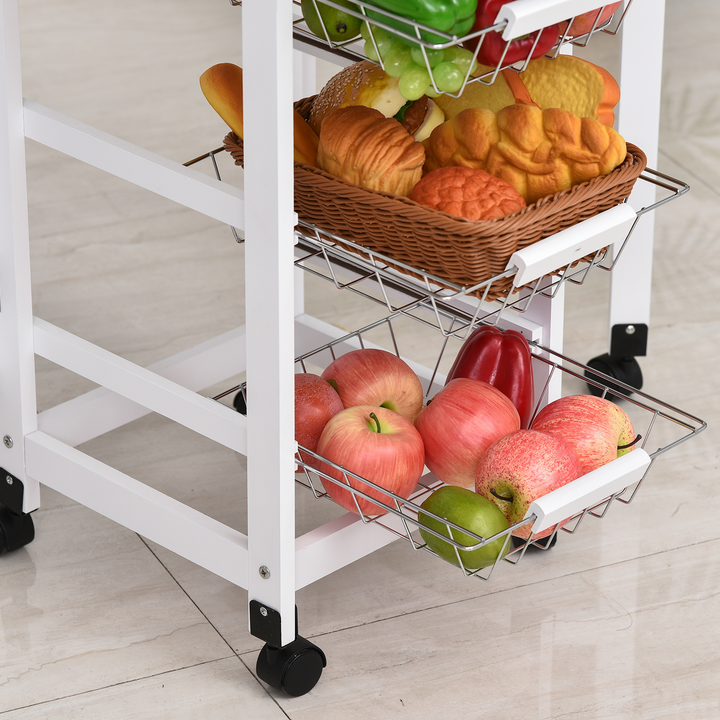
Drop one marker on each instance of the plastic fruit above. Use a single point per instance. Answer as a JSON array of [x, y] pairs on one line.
[[338, 25], [472, 512]]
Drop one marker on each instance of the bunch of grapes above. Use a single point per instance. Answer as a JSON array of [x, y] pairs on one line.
[[413, 64]]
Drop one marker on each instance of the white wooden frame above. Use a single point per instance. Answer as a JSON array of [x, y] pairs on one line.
[[40, 450]]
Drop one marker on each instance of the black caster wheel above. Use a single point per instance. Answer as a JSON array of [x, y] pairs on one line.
[[295, 668], [15, 530], [239, 403], [625, 369]]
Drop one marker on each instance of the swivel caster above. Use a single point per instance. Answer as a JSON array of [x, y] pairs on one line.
[[295, 668], [239, 403], [16, 530], [625, 369]]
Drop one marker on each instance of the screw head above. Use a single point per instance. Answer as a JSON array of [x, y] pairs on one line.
[[264, 572], [8, 441], [263, 611], [9, 480], [630, 330]]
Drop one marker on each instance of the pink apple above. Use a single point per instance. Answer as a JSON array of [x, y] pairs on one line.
[[316, 401], [521, 467], [377, 444], [584, 23], [459, 423], [376, 377], [597, 429]]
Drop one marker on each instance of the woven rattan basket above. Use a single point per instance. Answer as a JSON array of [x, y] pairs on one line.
[[463, 252]]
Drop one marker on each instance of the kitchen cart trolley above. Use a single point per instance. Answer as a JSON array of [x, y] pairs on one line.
[[278, 339]]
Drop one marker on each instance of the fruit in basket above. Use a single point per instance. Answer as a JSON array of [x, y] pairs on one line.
[[363, 147], [338, 25], [371, 376], [454, 17], [503, 359], [377, 444], [470, 511], [495, 51], [521, 467], [539, 152], [316, 401], [459, 423], [364, 83], [467, 192], [597, 429], [584, 23]]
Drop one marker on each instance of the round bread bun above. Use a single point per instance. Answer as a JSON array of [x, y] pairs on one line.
[[362, 83]]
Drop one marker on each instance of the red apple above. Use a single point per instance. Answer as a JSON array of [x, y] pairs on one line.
[[521, 467], [459, 423], [377, 444], [316, 401], [376, 377], [597, 429], [584, 23]]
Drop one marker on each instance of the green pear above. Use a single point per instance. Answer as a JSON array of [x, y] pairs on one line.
[[340, 26]]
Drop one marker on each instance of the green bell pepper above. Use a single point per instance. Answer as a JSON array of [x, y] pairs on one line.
[[454, 17]]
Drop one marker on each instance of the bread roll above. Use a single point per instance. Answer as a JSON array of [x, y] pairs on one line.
[[306, 141], [222, 86], [571, 83], [362, 83], [360, 145], [539, 152]]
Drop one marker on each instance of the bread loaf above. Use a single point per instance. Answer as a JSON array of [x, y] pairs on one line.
[[360, 145], [362, 83], [539, 152], [222, 85], [571, 83], [305, 141]]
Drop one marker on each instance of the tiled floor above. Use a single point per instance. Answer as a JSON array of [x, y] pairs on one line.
[[620, 622]]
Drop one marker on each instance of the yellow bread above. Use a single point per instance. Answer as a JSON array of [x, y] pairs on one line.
[[305, 141], [222, 85], [571, 83], [539, 152], [507, 89], [360, 145]]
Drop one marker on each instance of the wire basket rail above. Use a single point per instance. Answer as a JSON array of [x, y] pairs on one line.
[[431, 42], [659, 425]]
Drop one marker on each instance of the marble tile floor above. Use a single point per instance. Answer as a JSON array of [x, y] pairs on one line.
[[618, 622]]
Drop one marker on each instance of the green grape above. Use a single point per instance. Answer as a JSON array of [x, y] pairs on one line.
[[383, 40], [448, 78], [397, 59], [462, 57], [414, 82], [434, 57], [370, 52], [430, 92]]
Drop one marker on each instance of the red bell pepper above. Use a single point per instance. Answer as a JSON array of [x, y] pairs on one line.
[[493, 45], [503, 359]]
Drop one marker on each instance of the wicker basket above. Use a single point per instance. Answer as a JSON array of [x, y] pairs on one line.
[[463, 252]]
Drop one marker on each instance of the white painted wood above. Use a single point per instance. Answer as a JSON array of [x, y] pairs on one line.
[[137, 506], [141, 167], [638, 122], [589, 490], [204, 416], [571, 244], [526, 16], [17, 369], [269, 304], [101, 410]]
